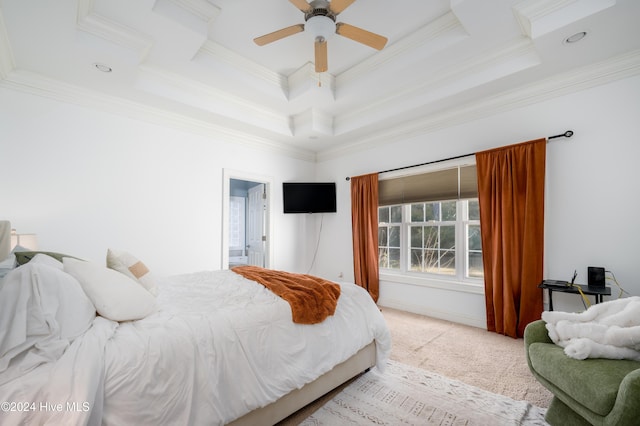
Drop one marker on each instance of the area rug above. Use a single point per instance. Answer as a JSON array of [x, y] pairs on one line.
[[405, 395]]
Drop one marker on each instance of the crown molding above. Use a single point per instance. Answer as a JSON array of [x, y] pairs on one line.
[[109, 30], [616, 68], [7, 63], [514, 56], [527, 13], [613, 69], [35, 84], [537, 18], [202, 9], [442, 32], [196, 16], [205, 97], [242, 64], [305, 79]]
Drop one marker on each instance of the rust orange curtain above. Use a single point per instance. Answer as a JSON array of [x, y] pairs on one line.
[[364, 221], [511, 197]]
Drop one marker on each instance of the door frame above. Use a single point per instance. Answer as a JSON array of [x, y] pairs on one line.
[[227, 175]]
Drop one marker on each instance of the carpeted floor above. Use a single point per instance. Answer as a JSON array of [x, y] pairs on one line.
[[490, 361], [471, 355]]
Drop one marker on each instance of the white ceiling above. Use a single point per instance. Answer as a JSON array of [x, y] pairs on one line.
[[193, 63]]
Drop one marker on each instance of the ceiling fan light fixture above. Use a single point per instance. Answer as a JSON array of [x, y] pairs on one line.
[[320, 26]]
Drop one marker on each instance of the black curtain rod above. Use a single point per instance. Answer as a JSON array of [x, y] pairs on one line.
[[566, 134]]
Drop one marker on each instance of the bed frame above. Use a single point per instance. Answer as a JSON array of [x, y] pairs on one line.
[[271, 414]]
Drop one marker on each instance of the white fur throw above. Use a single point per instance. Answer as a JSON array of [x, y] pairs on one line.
[[606, 330]]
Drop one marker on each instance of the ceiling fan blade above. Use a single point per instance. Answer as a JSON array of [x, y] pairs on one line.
[[277, 35], [321, 56], [361, 36], [337, 6], [302, 5]]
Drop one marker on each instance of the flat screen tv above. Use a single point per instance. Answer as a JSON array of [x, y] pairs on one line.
[[309, 197]]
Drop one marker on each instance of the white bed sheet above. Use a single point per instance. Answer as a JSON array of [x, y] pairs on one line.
[[218, 347], [221, 346]]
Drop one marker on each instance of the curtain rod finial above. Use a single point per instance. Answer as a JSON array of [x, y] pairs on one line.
[[566, 134], [348, 178]]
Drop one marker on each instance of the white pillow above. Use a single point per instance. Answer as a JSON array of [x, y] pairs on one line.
[[115, 296], [66, 301], [132, 267]]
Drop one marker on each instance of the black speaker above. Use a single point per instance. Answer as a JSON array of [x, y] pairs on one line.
[[595, 276]]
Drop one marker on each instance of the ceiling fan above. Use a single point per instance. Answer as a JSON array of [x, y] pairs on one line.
[[320, 21]]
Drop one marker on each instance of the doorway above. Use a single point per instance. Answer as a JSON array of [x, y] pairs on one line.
[[246, 220]]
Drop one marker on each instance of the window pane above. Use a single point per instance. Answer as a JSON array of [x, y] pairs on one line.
[[431, 237], [448, 237], [449, 210], [474, 210], [417, 212], [432, 211], [394, 236], [416, 236], [383, 215], [382, 236], [475, 240], [383, 257], [396, 214], [394, 258], [475, 265], [448, 262], [416, 260], [430, 261]]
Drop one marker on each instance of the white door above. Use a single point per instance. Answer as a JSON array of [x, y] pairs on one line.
[[256, 239]]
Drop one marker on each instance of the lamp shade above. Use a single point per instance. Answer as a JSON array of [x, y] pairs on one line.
[[28, 241], [320, 26]]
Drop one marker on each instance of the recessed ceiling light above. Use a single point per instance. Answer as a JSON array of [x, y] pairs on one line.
[[576, 37], [103, 67]]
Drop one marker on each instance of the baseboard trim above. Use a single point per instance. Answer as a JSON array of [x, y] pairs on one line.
[[433, 313]]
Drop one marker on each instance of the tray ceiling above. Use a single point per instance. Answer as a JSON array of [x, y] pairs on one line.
[[193, 63]]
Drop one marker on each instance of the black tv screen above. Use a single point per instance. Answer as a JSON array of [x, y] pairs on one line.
[[309, 197]]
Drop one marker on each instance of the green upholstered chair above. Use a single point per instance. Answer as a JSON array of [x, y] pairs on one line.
[[586, 392]]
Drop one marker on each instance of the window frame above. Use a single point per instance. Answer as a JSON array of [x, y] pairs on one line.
[[461, 279]]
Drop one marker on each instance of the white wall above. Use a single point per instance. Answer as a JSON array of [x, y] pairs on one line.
[[85, 180], [592, 201]]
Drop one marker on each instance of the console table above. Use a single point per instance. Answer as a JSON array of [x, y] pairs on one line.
[[597, 292]]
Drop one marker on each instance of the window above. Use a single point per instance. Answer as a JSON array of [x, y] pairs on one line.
[[431, 237], [474, 240], [390, 222], [236, 223]]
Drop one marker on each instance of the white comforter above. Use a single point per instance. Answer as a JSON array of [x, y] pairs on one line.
[[218, 347]]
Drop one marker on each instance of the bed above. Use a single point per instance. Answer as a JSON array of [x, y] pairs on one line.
[[210, 347]]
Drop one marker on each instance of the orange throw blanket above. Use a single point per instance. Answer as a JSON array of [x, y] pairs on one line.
[[312, 299]]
